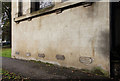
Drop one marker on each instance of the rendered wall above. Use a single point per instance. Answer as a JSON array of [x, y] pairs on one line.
[[78, 36]]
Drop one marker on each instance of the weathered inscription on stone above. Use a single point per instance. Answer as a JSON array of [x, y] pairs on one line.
[[17, 53], [41, 55], [28, 54], [60, 57], [85, 60]]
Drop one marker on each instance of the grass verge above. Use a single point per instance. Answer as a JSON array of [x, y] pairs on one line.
[[6, 52]]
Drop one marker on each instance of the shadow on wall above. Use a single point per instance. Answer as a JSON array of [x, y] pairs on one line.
[[103, 43]]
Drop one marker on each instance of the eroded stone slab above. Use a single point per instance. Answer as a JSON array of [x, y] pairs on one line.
[[41, 55], [17, 53], [28, 54], [86, 60], [60, 57]]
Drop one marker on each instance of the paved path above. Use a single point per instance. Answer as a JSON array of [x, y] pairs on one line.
[[43, 71]]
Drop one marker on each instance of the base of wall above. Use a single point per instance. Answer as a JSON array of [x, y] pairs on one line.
[[95, 70]]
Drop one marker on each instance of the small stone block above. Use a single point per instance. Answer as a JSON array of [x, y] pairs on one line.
[[86, 60], [28, 54], [60, 57], [41, 55], [17, 53]]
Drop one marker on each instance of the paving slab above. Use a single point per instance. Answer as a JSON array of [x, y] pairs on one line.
[[34, 70]]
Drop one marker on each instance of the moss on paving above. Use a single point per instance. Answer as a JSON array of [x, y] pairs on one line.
[[97, 71], [49, 64], [100, 71]]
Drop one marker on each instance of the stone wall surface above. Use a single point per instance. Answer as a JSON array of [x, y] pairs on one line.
[[78, 37]]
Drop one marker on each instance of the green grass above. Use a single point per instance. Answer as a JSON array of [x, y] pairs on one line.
[[6, 52]]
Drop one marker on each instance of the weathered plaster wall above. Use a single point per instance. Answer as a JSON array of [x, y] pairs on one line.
[[81, 34]]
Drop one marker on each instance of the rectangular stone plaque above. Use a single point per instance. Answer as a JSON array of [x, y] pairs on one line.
[[60, 57], [41, 55]]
